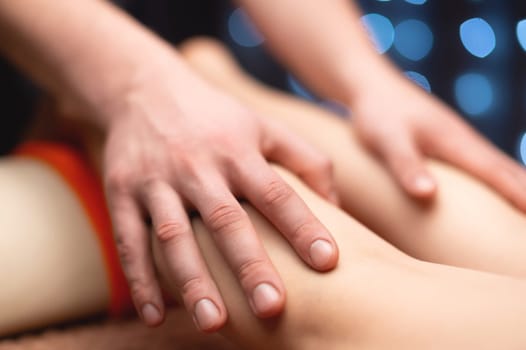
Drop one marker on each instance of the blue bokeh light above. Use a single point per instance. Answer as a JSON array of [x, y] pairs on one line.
[[478, 37], [474, 93], [522, 148], [416, 2], [242, 31], [419, 79], [297, 88], [521, 33], [381, 31], [413, 39]]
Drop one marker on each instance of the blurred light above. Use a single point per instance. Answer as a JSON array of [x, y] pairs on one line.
[[416, 2], [521, 33], [474, 93], [478, 37], [242, 30], [522, 148], [419, 79], [298, 89], [335, 107], [413, 39], [380, 30]]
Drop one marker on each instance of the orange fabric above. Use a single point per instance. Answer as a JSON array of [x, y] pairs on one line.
[[76, 171]]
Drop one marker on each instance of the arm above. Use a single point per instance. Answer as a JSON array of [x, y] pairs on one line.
[[85, 53], [468, 224], [325, 44], [103, 67], [308, 34]]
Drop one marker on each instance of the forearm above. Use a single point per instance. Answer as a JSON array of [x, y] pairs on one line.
[[323, 42], [83, 52]]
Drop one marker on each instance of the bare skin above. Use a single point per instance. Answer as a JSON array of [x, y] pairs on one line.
[[160, 119], [378, 297], [326, 46], [457, 228], [157, 151]]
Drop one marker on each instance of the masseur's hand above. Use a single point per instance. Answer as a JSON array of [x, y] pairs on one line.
[[403, 124], [175, 144]]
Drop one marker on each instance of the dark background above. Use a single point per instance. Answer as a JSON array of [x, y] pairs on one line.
[[503, 69]]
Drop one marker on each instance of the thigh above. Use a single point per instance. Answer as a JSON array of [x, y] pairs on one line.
[[56, 261], [52, 268], [466, 225], [376, 298]]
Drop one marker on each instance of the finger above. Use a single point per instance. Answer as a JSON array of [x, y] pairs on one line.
[[240, 245], [185, 265], [311, 165], [468, 150], [406, 164], [288, 212], [133, 246]]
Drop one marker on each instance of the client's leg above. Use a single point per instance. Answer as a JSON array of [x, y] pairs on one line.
[[467, 225], [377, 298], [56, 258], [51, 266]]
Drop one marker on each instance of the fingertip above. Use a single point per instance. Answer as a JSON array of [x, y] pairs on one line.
[[267, 300], [151, 315], [422, 186], [323, 255], [208, 317]]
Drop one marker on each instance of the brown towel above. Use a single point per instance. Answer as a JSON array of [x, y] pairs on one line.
[[177, 333]]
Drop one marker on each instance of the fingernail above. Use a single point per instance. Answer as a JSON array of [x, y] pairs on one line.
[[321, 253], [150, 315], [423, 184], [264, 298], [206, 314]]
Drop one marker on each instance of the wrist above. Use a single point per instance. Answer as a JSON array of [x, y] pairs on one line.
[[370, 78], [90, 72], [108, 93]]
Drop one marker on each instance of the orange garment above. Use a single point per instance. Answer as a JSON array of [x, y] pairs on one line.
[[85, 183]]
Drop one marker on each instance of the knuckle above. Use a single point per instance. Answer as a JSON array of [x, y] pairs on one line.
[[234, 160], [139, 288], [171, 232], [185, 162], [325, 165], [118, 180], [249, 268], [150, 184], [301, 232], [276, 193], [225, 217], [191, 286], [403, 161], [125, 250]]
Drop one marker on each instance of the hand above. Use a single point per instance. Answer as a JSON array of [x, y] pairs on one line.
[[403, 124], [176, 144]]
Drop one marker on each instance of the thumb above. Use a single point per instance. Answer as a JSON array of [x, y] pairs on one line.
[[406, 164]]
